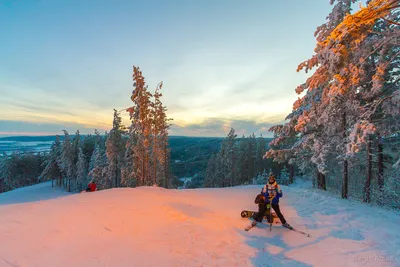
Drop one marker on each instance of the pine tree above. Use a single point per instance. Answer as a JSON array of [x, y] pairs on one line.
[[128, 177], [115, 150], [100, 168], [5, 173], [261, 163], [219, 176], [284, 177], [52, 169], [349, 83], [98, 140], [243, 155], [229, 160], [140, 130], [209, 180], [81, 172], [160, 151], [67, 161]]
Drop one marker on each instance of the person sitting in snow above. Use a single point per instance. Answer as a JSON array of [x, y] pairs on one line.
[[270, 192], [91, 187]]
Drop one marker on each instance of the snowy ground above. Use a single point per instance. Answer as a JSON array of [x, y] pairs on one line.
[[42, 227]]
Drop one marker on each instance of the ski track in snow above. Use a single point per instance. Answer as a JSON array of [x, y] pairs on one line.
[[42, 226]]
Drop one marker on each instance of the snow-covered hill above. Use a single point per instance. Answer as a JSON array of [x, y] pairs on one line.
[[148, 226]]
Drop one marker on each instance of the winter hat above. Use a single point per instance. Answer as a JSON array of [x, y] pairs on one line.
[[272, 177]]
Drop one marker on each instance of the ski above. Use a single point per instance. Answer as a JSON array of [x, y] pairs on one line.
[[250, 226], [301, 232], [298, 231], [270, 222]]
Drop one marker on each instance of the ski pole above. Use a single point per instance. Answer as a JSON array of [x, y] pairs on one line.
[[270, 213]]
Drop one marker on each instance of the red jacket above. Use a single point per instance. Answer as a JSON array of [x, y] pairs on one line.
[[92, 187]]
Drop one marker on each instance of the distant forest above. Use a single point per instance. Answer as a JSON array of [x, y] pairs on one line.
[[189, 157]]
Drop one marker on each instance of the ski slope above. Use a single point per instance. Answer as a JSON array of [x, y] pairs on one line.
[[41, 227]]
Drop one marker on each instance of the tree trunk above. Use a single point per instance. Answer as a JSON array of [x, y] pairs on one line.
[[146, 166], [232, 169], [116, 171], [367, 189], [155, 159], [314, 180], [142, 165], [321, 181], [345, 181], [291, 173], [165, 164], [380, 164]]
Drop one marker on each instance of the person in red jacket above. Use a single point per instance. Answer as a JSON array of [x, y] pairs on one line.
[[91, 187]]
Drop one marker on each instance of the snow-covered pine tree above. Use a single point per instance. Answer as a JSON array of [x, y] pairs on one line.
[[88, 144], [243, 154], [261, 179], [155, 130], [329, 106], [100, 168], [5, 174], [284, 177], [52, 170], [81, 171], [303, 132], [21, 169], [140, 130], [237, 162], [226, 172], [219, 176], [128, 174], [209, 180], [247, 156], [160, 151], [67, 161], [391, 188], [365, 71], [76, 144], [252, 171], [98, 140], [347, 71], [229, 159], [115, 150], [261, 163], [91, 143]]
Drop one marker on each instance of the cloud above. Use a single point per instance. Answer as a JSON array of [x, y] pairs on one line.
[[219, 127], [212, 127], [9, 127]]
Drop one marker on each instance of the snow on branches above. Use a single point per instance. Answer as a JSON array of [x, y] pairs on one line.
[[354, 91]]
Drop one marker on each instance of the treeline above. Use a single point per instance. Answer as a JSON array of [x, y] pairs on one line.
[[344, 130], [124, 157], [240, 161], [20, 169]]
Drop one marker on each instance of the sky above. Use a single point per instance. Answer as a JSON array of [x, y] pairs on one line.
[[227, 63]]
